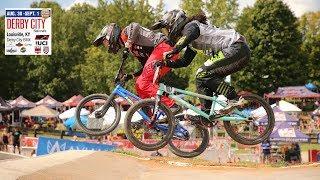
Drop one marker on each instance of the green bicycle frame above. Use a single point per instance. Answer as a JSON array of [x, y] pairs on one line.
[[171, 91]]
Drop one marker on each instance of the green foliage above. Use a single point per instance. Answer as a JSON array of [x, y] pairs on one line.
[[68, 70], [13, 72], [309, 27], [275, 42], [192, 7], [244, 21], [221, 13], [159, 10]]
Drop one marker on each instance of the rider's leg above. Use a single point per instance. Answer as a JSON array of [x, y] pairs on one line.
[[225, 62], [202, 88], [146, 89], [144, 84]]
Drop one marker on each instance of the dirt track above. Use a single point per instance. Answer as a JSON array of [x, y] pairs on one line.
[[106, 165]]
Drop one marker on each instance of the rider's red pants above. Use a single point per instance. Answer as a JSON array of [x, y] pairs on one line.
[[144, 85]]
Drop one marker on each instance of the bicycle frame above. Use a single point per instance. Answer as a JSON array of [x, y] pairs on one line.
[[171, 91]]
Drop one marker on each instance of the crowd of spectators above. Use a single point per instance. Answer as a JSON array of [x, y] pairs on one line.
[[10, 137]]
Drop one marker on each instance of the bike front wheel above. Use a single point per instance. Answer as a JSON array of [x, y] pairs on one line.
[[251, 132], [143, 134], [90, 123]]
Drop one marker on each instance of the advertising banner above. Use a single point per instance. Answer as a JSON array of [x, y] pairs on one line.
[[51, 145], [28, 31], [29, 142]]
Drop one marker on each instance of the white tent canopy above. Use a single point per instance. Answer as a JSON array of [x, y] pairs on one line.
[[282, 105], [287, 107], [40, 111], [71, 112]]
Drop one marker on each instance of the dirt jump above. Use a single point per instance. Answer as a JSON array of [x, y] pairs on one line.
[[107, 165]]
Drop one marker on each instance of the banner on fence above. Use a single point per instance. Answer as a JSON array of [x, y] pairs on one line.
[[29, 142], [51, 145]]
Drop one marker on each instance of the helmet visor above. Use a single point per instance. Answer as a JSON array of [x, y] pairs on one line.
[[104, 34]]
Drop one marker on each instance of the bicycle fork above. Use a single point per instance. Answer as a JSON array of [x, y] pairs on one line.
[[105, 107]]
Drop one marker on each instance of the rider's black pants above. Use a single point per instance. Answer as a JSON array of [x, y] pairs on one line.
[[210, 76]]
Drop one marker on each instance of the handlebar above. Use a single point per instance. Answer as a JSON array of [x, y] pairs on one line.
[[120, 70]]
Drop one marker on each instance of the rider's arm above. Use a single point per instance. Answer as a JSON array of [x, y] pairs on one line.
[[190, 33], [186, 59], [142, 62]]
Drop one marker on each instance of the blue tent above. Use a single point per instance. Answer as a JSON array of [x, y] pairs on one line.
[[70, 123], [286, 133]]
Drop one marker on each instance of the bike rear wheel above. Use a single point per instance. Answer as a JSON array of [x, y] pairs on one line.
[[95, 126], [252, 133], [193, 146], [145, 136]]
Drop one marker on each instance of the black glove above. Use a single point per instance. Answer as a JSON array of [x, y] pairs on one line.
[[125, 53], [127, 77], [168, 55], [159, 64]]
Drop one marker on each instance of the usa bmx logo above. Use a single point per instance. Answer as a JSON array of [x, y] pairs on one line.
[[46, 49], [45, 13]]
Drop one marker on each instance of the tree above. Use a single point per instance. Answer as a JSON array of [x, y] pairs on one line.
[[56, 74], [99, 67], [243, 23], [192, 7], [159, 10], [309, 27], [275, 43], [222, 13], [13, 73]]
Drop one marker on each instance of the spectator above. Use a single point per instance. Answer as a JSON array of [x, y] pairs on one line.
[[266, 151], [297, 151], [33, 153], [5, 139], [16, 134], [286, 154]]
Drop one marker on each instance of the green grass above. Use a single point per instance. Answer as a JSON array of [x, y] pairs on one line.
[[307, 146], [130, 153], [243, 151]]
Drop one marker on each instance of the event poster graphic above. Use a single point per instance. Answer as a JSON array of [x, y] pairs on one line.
[[28, 31]]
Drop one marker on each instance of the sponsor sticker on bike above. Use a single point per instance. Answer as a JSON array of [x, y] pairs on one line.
[[28, 31]]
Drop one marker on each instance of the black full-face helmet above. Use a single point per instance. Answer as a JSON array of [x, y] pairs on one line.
[[111, 33], [173, 22]]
